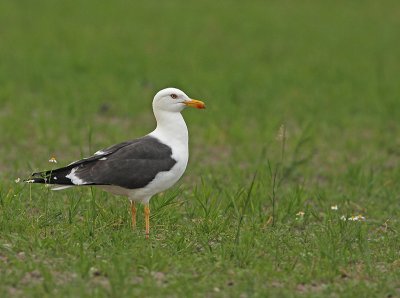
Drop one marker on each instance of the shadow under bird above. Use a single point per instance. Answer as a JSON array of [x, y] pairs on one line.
[[138, 168]]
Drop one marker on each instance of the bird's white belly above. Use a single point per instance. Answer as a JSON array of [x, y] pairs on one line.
[[165, 180], [161, 182]]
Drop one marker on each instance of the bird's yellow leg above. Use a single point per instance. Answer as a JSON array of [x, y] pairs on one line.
[[147, 219], [133, 210]]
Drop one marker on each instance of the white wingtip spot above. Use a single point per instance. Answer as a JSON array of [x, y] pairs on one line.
[[74, 179], [103, 158]]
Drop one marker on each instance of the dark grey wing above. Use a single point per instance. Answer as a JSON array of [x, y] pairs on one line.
[[58, 176], [132, 164]]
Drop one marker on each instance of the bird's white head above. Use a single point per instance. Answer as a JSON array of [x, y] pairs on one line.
[[174, 100]]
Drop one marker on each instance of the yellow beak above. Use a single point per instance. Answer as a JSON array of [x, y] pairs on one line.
[[198, 104]]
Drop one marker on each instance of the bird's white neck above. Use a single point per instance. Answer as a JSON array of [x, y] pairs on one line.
[[171, 128]]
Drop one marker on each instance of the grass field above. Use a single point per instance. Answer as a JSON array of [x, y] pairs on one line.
[[303, 109]]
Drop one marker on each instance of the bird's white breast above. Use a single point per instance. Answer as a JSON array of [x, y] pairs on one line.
[[180, 153], [172, 131]]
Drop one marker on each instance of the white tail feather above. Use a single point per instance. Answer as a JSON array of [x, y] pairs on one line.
[[61, 187]]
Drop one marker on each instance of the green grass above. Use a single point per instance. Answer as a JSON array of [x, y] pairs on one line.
[[78, 76]]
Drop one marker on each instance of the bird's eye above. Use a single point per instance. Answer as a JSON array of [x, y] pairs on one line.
[[174, 96]]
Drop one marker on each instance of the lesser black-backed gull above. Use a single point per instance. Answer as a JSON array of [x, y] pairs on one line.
[[139, 168]]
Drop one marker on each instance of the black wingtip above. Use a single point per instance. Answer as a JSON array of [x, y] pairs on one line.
[[35, 180]]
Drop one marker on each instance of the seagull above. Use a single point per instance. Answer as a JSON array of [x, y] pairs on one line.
[[139, 168]]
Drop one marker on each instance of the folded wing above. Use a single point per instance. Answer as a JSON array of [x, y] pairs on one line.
[[132, 164]]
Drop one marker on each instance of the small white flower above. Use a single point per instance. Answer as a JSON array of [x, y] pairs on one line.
[[343, 218], [18, 180], [334, 207], [356, 218], [300, 213], [360, 217], [53, 160]]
